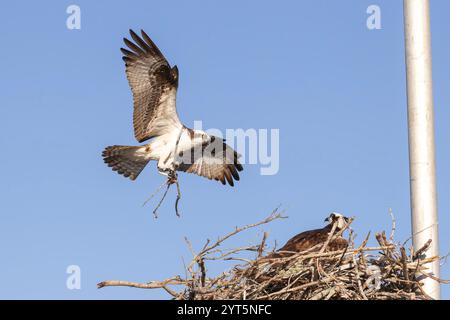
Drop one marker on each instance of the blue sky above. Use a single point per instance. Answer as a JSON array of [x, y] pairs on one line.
[[334, 89]]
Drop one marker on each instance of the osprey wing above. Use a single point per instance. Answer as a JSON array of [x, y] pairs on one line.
[[215, 160], [154, 85], [308, 239]]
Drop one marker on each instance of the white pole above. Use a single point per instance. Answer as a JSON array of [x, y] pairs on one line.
[[421, 133]]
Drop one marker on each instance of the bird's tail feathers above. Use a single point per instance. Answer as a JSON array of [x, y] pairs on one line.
[[127, 161]]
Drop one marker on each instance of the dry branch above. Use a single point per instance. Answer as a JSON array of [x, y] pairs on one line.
[[358, 272]]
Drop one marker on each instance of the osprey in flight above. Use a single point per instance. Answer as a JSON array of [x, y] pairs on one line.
[[175, 147]]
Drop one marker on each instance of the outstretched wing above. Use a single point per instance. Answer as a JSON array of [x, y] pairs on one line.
[[215, 160], [154, 85]]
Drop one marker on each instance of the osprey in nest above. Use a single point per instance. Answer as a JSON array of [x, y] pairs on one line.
[[175, 147], [311, 238]]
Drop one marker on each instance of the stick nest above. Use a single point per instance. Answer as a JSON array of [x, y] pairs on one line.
[[386, 271]]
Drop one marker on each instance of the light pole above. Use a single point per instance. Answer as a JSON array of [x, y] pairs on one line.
[[421, 133]]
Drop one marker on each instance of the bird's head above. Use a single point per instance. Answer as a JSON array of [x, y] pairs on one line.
[[338, 218]]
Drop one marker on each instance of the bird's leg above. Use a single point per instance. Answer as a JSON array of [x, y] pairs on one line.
[[164, 172], [172, 177]]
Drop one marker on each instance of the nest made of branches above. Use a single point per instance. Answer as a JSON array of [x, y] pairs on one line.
[[386, 271]]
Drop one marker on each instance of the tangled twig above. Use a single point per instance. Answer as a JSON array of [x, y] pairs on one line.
[[172, 178], [360, 272]]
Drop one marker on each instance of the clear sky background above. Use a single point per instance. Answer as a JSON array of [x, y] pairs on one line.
[[334, 89]]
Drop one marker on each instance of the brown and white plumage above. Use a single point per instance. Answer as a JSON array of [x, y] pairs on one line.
[[126, 160], [311, 238], [154, 85], [216, 161]]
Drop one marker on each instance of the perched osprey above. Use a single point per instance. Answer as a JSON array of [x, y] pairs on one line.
[[175, 147], [311, 238]]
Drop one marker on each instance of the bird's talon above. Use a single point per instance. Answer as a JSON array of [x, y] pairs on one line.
[[172, 177]]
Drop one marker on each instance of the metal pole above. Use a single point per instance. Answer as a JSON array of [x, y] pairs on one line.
[[421, 133]]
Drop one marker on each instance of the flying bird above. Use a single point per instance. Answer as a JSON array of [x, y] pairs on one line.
[[174, 146], [309, 239]]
